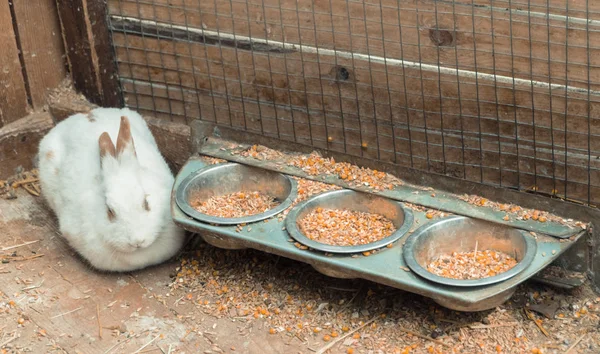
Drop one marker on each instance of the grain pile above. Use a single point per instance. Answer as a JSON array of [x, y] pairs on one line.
[[513, 212], [260, 152], [315, 165], [429, 213], [309, 311], [471, 265], [345, 227], [305, 188], [235, 205], [212, 160]]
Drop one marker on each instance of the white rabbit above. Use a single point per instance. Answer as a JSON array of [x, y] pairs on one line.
[[112, 203]]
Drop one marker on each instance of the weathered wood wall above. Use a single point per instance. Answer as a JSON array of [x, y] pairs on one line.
[[13, 97], [31, 56], [493, 91], [91, 63]]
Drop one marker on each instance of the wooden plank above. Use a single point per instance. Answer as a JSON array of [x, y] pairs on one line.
[[64, 102], [78, 46], [13, 95], [173, 139], [134, 308], [267, 80], [523, 45], [487, 129], [106, 66], [25, 334], [88, 50], [19, 142], [41, 46], [71, 295], [573, 8], [477, 164]]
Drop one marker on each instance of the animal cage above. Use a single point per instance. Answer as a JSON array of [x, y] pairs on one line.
[[496, 92], [495, 97]]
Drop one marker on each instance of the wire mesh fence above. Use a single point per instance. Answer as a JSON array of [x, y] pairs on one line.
[[498, 92]]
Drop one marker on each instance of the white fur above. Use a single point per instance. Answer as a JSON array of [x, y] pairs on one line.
[[78, 187]]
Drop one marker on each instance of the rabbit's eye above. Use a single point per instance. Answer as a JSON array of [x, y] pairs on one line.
[[146, 205], [111, 214]]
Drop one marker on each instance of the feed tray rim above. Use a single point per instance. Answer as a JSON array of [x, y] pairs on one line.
[[182, 202], [293, 230], [270, 237], [411, 262]]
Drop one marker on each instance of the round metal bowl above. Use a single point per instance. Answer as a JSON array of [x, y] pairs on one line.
[[230, 178], [460, 234], [330, 272], [401, 217], [487, 304], [220, 241]]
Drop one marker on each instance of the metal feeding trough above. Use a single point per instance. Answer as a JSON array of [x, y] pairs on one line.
[[388, 265], [229, 178], [399, 215], [462, 234]]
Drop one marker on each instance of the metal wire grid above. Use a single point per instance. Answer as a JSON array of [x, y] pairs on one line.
[[363, 80]]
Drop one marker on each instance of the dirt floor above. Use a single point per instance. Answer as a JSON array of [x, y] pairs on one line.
[[214, 301]]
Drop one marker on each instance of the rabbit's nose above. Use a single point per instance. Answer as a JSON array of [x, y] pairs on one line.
[[136, 244]]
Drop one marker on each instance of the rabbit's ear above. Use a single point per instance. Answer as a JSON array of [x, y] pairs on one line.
[[106, 146], [125, 140]]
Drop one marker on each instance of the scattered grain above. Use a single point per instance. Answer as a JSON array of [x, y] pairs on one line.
[[212, 160], [247, 274], [344, 227], [471, 265], [314, 165], [235, 205]]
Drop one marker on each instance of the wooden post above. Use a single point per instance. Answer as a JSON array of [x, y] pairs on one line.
[[89, 51], [13, 95], [41, 47]]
